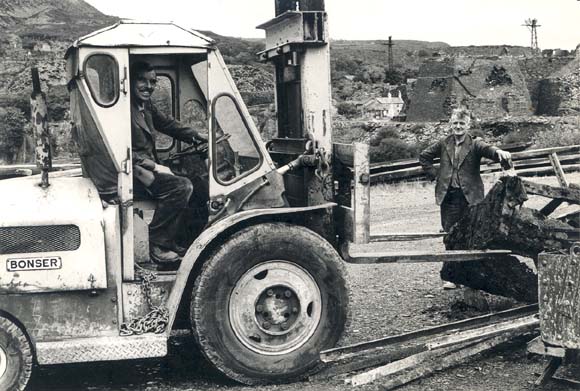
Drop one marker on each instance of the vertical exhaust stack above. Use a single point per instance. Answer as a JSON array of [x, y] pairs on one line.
[[39, 117]]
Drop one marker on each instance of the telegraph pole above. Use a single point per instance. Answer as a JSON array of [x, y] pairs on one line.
[[390, 45], [532, 25]]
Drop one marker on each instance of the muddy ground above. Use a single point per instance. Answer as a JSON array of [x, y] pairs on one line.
[[385, 300]]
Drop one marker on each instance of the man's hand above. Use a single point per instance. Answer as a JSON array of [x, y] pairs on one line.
[[505, 159], [200, 136], [504, 156], [162, 169]]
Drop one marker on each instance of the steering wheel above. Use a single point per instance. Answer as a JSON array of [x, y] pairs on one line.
[[198, 148]]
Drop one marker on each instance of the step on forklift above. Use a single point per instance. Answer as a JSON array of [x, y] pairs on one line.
[[262, 287]]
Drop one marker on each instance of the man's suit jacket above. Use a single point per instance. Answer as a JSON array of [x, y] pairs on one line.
[[143, 125], [468, 162]]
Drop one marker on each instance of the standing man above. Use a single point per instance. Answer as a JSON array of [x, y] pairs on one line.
[[459, 181], [157, 181]]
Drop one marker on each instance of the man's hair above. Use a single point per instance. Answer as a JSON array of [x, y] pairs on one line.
[[140, 67], [461, 113]]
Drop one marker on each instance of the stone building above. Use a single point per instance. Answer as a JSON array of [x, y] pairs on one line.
[[383, 107]]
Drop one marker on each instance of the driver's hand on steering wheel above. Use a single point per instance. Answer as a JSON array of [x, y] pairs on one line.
[[199, 137]]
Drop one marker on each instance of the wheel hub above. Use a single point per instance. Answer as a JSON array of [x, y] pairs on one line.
[[275, 307]]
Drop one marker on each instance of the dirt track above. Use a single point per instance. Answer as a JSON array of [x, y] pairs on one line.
[[386, 300]]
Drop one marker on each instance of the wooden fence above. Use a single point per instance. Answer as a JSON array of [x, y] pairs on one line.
[[526, 163]]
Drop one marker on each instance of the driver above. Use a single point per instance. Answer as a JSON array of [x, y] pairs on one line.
[[157, 181]]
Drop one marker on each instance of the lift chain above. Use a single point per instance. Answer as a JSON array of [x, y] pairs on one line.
[[323, 172], [155, 321]]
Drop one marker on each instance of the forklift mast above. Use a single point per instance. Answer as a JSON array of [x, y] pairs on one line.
[[298, 47]]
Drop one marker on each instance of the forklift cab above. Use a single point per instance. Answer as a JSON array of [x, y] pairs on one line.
[[193, 86]]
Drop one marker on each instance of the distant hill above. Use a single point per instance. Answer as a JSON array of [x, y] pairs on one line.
[[51, 19]]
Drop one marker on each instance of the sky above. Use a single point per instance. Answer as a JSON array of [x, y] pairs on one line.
[[456, 22]]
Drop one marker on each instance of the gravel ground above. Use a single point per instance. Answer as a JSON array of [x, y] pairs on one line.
[[385, 300]]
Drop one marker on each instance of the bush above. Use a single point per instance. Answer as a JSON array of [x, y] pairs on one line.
[[12, 130], [561, 136], [393, 149], [347, 109], [516, 137]]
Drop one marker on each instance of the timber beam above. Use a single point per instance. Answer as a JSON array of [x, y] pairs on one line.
[[568, 194]]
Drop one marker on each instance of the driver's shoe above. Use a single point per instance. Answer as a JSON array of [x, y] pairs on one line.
[[163, 256]]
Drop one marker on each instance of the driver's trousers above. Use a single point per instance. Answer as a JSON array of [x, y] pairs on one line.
[[172, 193]]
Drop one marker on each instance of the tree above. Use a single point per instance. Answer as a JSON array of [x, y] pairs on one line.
[[347, 109], [12, 131], [393, 77]]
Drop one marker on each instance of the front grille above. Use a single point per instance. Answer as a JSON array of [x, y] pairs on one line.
[[44, 238]]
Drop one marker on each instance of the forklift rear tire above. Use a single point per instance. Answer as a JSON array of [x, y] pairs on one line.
[[15, 356], [267, 302]]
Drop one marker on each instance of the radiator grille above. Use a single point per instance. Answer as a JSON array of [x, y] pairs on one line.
[[37, 239]]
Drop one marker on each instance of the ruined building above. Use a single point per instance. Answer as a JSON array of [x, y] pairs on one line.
[[491, 87]]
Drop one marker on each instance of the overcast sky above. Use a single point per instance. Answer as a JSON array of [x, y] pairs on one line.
[[456, 22]]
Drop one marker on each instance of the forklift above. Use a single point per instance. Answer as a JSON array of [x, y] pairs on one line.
[[262, 287]]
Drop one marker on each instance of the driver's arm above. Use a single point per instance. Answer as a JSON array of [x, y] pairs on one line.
[[172, 127]]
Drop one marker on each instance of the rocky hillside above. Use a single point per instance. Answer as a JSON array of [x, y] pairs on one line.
[[50, 19]]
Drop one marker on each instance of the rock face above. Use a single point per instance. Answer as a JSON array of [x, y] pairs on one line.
[[492, 87], [499, 222], [559, 94]]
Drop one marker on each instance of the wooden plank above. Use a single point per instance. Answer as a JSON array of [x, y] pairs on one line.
[[398, 174], [568, 194], [362, 193], [529, 163], [558, 170], [406, 236], [485, 331], [551, 207], [446, 359], [344, 153], [452, 343], [346, 352], [545, 152], [395, 367], [549, 371], [554, 204], [539, 171]]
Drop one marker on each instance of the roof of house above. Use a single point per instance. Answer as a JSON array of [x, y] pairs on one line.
[[384, 101]]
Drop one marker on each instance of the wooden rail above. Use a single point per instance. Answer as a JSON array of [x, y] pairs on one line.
[[526, 163]]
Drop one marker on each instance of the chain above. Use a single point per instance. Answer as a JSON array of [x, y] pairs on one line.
[[155, 321]]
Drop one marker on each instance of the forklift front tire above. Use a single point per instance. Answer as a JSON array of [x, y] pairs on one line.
[[267, 302], [15, 356]]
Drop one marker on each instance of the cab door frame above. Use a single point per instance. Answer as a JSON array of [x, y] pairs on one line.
[[114, 124]]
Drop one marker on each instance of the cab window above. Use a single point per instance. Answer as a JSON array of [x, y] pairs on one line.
[[102, 76], [235, 151], [163, 100]]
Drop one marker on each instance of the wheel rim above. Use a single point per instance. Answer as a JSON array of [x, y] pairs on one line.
[[275, 307], [3, 362]]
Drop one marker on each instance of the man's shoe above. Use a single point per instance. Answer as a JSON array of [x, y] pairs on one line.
[[161, 255], [447, 285], [179, 250]]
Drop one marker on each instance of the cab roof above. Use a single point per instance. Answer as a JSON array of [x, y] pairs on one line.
[[130, 33]]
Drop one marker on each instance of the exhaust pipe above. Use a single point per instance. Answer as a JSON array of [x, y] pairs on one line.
[[39, 117]]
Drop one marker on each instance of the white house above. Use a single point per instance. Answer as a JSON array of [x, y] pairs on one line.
[[383, 107]]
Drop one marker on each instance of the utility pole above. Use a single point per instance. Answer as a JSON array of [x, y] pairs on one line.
[[390, 54], [532, 25]]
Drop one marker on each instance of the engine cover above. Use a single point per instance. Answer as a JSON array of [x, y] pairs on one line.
[[51, 239]]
